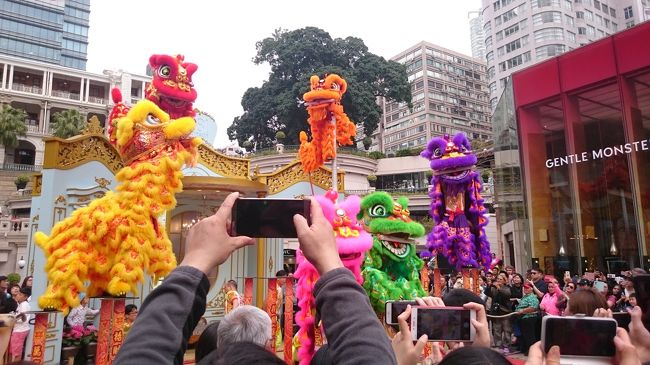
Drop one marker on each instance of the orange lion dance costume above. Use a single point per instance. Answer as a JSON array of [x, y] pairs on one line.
[[325, 112], [113, 241]]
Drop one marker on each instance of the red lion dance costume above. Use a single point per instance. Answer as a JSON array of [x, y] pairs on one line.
[[110, 243], [352, 243], [325, 112]]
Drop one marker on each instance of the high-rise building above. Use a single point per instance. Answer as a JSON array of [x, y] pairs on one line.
[[477, 36], [519, 33], [52, 31], [449, 95]]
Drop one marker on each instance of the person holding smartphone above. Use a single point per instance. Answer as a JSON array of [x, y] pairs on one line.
[[527, 309], [548, 305]]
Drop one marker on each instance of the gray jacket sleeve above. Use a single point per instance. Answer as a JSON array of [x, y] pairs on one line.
[[353, 331], [166, 320]]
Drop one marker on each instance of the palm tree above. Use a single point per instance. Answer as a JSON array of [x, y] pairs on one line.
[[68, 123], [12, 125]]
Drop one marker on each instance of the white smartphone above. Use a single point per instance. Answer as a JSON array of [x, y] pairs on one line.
[[396, 307], [582, 340], [443, 324]]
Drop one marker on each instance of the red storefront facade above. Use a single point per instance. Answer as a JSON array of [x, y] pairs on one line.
[[583, 122]]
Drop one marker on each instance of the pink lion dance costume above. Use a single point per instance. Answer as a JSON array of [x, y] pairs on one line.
[[352, 242], [456, 204]]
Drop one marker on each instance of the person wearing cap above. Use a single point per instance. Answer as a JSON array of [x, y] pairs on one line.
[[77, 316], [527, 308], [584, 284], [7, 303], [21, 328]]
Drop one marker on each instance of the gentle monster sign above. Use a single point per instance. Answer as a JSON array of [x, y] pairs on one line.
[[642, 145]]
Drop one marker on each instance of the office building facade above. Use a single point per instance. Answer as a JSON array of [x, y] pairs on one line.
[[477, 36], [51, 31], [449, 95], [519, 33]]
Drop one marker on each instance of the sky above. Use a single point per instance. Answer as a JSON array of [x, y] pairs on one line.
[[220, 37]]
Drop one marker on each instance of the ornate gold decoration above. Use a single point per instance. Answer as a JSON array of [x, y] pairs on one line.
[[301, 196], [270, 263], [293, 173], [102, 182], [60, 200], [36, 218], [218, 303], [66, 154], [37, 184], [93, 126], [99, 194], [221, 164]]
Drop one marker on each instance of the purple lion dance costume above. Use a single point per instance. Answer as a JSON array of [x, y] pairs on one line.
[[457, 206]]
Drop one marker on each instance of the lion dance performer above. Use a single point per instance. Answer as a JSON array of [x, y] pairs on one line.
[[391, 270], [111, 242], [352, 243], [325, 113], [457, 206]]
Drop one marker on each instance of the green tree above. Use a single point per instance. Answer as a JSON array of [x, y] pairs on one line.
[[68, 123], [294, 57], [12, 125]]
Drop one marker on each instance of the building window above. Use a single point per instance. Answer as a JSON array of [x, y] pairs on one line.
[[629, 24], [568, 5], [542, 3], [489, 57], [550, 50], [612, 12], [571, 37], [549, 34], [568, 20], [511, 30], [488, 42], [580, 15], [591, 31], [547, 17], [582, 31], [628, 12], [605, 9], [614, 27], [497, 5], [597, 4]]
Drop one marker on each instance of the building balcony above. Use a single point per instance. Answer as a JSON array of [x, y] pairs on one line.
[[65, 94], [9, 166], [96, 100], [14, 226], [33, 129], [27, 89]]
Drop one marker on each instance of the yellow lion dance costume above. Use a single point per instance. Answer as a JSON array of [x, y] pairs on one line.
[[325, 111], [105, 248]]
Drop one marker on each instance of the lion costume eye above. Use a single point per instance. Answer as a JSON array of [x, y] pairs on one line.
[[164, 71], [377, 211], [437, 153], [336, 86], [152, 121]]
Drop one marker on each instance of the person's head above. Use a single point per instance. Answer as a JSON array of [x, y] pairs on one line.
[[502, 279], [231, 285], [460, 297], [207, 341], [23, 294], [130, 312], [14, 289], [551, 287], [584, 284], [585, 301], [4, 283], [528, 288], [510, 270], [616, 289], [27, 282], [536, 275], [489, 275], [281, 275], [246, 353], [84, 301], [517, 279], [632, 299], [245, 323], [482, 280], [474, 355], [570, 288]]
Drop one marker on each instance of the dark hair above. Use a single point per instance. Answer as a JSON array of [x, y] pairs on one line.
[[247, 353], [586, 301], [233, 283], [632, 295], [130, 308], [25, 281], [26, 291], [520, 277], [207, 341], [474, 355], [280, 273], [459, 297]]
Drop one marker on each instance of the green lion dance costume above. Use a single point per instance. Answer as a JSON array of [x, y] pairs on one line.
[[391, 270]]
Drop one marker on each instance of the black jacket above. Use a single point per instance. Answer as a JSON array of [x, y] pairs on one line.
[[7, 303]]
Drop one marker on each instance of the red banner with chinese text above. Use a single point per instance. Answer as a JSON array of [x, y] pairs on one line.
[[466, 282], [437, 290], [288, 321], [272, 310], [38, 342], [117, 335], [475, 285], [104, 333], [424, 278], [248, 291]]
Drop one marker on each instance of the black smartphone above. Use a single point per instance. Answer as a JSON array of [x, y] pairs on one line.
[[622, 319], [396, 307], [589, 339], [268, 218], [443, 324], [642, 290]]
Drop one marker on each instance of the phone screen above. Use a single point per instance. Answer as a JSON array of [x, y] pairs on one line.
[[269, 218], [397, 308], [443, 324], [580, 336], [599, 285], [642, 290]]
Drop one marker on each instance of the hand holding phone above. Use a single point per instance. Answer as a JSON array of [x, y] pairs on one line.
[[396, 307], [582, 340], [268, 218]]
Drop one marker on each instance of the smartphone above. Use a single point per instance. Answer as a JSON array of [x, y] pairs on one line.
[[599, 285], [642, 290], [396, 307], [443, 324], [268, 218], [582, 340], [622, 319]]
